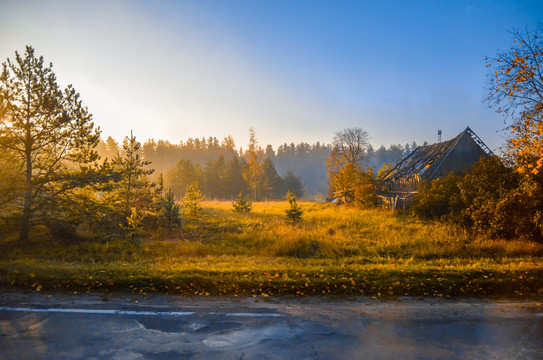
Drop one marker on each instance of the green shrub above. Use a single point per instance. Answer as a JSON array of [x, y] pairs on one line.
[[134, 224], [365, 196], [242, 204], [492, 199], [485, 193], [438, 199]]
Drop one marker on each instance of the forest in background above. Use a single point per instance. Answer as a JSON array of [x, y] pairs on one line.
[[203, 159]]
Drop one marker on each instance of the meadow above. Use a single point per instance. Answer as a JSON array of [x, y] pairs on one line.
[[334, 249]]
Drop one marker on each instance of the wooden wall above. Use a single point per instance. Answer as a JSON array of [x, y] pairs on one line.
[[460, 158]]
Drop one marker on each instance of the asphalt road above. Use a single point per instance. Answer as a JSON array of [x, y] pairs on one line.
[[42, 326]]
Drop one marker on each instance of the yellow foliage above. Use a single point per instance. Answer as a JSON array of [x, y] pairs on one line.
[[517, 92]]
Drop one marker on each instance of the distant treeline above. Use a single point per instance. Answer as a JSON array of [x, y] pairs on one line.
[[218, 166]]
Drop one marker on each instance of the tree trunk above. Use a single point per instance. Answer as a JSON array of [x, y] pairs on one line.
[[254, 186], [128, 190], [27, 210]]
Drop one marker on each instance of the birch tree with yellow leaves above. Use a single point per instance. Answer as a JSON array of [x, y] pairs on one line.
[[516, 91]]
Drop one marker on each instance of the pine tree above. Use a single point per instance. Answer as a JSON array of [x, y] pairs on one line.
[[293, 183], [242, 204], [220, 171], [182, 175], [131, 167], [134, 223], [234, 180], [294, 212], [192, 200], [214, 176], [169, 211], [47, 129], [272, 182], [112, 147], [135, 188]]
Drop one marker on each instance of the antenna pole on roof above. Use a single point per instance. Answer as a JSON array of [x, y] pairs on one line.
[[439, 136]]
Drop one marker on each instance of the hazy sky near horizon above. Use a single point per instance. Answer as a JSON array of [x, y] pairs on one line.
[[294, 70]]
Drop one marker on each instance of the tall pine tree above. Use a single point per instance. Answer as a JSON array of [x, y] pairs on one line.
[[134, 186], [272, 184], [47, 130], [293, 183]]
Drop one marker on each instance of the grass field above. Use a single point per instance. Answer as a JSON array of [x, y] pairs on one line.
[[333, 250]]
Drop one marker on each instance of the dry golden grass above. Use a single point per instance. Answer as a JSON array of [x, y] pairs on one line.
[[334, 249]]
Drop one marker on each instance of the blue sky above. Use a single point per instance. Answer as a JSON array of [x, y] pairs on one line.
[[294, 70]]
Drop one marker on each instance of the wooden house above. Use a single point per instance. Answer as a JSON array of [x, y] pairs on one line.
[[431, 162]]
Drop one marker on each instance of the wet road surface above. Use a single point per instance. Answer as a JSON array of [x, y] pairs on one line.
[[41, 326]]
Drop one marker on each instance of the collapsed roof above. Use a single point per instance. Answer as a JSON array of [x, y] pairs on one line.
[[437, 160]]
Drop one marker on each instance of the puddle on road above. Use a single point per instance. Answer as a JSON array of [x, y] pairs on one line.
[[248, 337]]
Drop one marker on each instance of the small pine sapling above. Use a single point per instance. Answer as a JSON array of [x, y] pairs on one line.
[[169, 210], [134, 224], [295, 212], [242, 204], [191, 200]]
